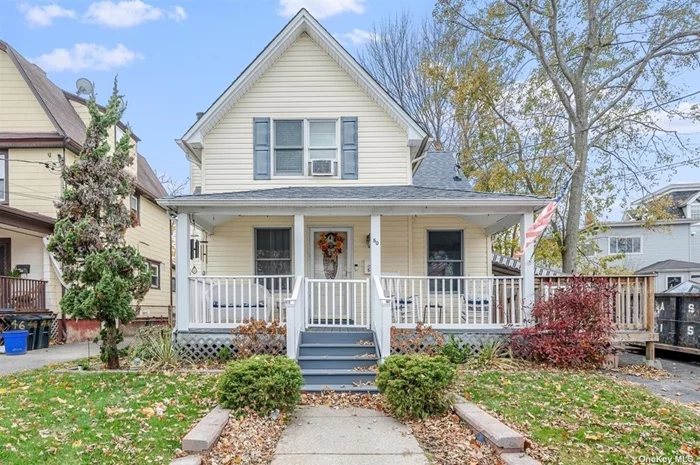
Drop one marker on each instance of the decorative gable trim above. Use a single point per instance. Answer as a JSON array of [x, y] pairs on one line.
[[192, 141]]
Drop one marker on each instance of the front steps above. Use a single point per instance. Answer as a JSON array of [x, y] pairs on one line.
[[334, 361]]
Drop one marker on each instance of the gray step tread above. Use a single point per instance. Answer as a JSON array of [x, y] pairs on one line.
[[338, 387], [330, 344], [334, 357], [335, 371]]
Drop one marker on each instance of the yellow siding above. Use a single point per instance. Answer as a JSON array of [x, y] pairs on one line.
[[403, 252], [195, 177], [152, 239], [31, 186], [304, 83], [19, 109]]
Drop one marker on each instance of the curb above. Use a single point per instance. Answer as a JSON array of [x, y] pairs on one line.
[[510, 443], [205, 433]]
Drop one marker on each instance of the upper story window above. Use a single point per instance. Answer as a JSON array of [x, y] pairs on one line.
[[625, 245], [3, 176], [695, 211], [297, 143], [135, 204]]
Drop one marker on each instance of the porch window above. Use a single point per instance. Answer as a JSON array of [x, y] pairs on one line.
[[625, 245], [273, 252], [445, 253], [289, 148]]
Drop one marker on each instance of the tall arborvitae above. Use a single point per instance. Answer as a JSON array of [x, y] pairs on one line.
[[104, 275]]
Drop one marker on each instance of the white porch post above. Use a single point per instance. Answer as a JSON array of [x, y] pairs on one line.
[[182, 263], [527, 268], [295, 321], [381, 321]]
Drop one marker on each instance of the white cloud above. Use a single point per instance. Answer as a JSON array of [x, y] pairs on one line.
[[321, 8], [129, 13], [87, 57], [683, 123], [357, 37], [44, 15]]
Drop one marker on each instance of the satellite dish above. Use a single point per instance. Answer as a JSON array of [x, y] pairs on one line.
[[84, 87]]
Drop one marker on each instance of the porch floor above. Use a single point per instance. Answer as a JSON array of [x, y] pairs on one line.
[[336, 329]]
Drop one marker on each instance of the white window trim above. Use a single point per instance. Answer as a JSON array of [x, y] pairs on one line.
[[673, 276], [306, 139], [641, 245], [154, 264]]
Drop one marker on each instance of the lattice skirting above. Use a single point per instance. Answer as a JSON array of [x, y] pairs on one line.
[[206, 346], [475, 339]]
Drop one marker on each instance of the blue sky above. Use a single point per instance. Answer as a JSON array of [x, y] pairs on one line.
[[173, 58]]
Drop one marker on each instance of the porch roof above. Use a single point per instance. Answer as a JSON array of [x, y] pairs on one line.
[[355, 196]]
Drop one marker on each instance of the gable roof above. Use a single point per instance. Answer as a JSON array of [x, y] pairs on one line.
[[668, 265], [680, 189], [440, 169], [302, 22], [58, 109]]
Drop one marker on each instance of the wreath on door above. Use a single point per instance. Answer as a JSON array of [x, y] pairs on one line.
[[331, 245]]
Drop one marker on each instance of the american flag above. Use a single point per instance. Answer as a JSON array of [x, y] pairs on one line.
[[542, 222]]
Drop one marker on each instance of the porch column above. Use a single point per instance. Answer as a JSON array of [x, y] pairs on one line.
[[182, 270], [527, 268], [375, 247], [296, 314]]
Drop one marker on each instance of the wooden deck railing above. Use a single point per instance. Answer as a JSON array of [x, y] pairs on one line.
[[22, 294], [632, 306]]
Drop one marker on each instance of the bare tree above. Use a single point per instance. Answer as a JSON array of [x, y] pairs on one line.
[[172, 186], [613, 67], [401, 56]]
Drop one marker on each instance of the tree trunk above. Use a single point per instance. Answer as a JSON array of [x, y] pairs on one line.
[[110, 342], [573, 217]]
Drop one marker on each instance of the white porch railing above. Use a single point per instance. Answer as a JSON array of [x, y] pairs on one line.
[[227, 301], [337, 302], [381, 318], [455, 302], [294, 307]]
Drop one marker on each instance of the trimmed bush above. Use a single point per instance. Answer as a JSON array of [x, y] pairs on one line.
[[263, 383], [416, 385]]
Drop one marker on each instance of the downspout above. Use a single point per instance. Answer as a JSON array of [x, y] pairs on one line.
[[170, 247]]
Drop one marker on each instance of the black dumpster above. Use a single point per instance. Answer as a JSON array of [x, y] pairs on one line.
[[43, 332], [679, 319], [24, 322]]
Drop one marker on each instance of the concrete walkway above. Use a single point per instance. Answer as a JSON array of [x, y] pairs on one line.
[[328, 436], [42, 357]]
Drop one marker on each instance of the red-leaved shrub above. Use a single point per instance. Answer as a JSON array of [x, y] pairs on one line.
[[572, 328]]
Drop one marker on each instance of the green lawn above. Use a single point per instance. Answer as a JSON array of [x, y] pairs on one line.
[[52, 418], [579, 418]]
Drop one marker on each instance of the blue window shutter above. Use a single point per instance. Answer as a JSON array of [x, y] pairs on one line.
[[348, 147], [261, 148]]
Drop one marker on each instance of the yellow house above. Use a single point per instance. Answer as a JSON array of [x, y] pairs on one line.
[[41, 127], [315, 202]]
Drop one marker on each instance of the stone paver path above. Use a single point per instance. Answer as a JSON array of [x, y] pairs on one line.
[[328, 436]]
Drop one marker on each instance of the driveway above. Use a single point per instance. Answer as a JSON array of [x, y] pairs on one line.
[[684, 384], [42, 357]]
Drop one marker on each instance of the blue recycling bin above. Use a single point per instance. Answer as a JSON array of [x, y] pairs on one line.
[[15, 342]]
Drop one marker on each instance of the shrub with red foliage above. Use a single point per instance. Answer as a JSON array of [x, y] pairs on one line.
[[573, 327]]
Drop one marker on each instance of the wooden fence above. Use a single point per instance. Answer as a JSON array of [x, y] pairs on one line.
[[633, 303]]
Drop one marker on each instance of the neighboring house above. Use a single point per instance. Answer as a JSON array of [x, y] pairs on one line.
[[671, 273], [676, 238], [303, 156], [41, 127]]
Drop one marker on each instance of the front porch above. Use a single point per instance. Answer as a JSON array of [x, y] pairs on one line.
[[403, 262]]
